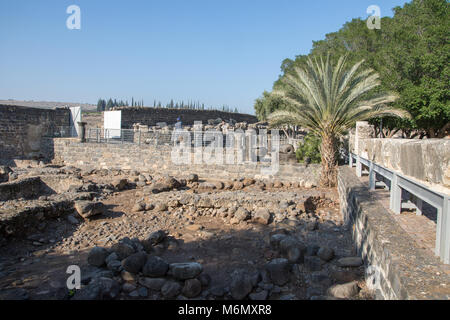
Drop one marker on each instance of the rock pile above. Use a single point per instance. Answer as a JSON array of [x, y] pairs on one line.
[[132, 268]]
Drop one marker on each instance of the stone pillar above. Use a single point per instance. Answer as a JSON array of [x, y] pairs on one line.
[[82, 130], [363, 131]]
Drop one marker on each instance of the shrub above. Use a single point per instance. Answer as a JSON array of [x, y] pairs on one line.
[[309, 148]]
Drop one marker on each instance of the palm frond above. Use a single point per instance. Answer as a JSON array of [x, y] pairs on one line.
[[330, 98]]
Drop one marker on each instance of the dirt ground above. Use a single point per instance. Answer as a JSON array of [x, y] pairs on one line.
[[34, 267]]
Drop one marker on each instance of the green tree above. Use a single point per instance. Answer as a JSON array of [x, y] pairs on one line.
[[410, 52], [267, 104], [101, 105], [109, 104], [310, 148], [413, 61], [327, 100]]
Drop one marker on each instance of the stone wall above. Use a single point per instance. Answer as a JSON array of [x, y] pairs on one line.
[[405, 271], [427, 160], [24, 188], [93, 119], [22, 129], [151, 116], [130, 156]]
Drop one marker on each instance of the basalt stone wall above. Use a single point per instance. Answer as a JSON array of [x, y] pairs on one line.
[[25, 188], [22, 129], [151, 116], [130, 156], [427, 160], [403, 270]]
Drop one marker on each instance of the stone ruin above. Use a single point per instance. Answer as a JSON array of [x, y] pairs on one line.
[[147, 235]]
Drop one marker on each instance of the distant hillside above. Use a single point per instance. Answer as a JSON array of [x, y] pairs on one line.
[[49, 104]]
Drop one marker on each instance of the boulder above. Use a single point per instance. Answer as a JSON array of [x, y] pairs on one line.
[[4, 173], [99, 289], [350, 262], [325, 253], [186, 270], [120, 184], [344, 276], [276, 239], [192, 178], [159, 187], [192, 288], [205, 203], [238, 185], [123, 250], [114, 265], [241, 285], [205, 279], [262, 215], [344, 291], [170, 289], [134, 262], [128, 287], [278, 270], [288, 243], [97, 256], [155, 267], [171, 182], [154, 284], [156, 237], [296, 254], [88, 209], [242, 214]]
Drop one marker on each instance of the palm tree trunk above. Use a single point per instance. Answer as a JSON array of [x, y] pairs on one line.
[[328, 150]]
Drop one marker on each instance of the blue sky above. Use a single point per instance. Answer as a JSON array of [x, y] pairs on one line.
[[215, 51]]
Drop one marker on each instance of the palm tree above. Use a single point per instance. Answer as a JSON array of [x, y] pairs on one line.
[[329, 100]]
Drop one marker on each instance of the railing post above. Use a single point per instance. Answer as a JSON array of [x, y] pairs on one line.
[[121, 135], [442, 233], [98, 135], [419, 204], [358, 167], [350, 160], [139, 137], [396, 196], [446, 229], [372, 179]]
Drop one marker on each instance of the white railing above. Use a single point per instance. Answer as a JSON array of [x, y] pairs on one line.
[[399, 182]]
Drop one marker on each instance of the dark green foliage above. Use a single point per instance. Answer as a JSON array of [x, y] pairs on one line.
[[411, 52], [268, 104], [102, 105], [309, 148]]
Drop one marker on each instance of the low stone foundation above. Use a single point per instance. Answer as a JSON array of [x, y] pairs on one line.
[[23, 221], [404, 271], [25, 188]]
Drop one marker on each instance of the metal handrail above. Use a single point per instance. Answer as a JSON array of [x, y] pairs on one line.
[[422, 193]]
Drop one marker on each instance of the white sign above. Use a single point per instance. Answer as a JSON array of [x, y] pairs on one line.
[[75, 117], [112, 124]]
